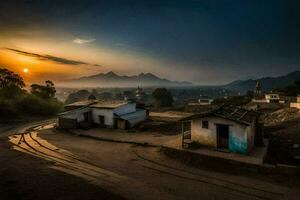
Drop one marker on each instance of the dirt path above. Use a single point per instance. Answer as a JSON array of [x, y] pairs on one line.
[[129, 171], [26, 177], [142, 173]]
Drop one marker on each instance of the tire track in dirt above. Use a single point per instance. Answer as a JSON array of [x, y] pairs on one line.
[[230, 185]]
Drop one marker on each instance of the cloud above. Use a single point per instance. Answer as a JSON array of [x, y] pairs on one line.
[[83, 41], [55, 59]]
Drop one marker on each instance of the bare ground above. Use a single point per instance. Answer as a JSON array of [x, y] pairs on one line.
[[27, 177], [282, 128], [147, 174], [55, 165]]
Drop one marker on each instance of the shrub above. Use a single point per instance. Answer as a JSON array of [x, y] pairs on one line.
[[8, 108], [35, 105]]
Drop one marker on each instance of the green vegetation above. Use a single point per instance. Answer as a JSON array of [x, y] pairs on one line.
[[15, 101], [162, 97]]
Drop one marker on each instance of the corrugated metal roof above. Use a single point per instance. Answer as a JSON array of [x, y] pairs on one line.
[[234, 113], [108, 104], [82, 103], [70, 112], [132, 115], [97, 104]]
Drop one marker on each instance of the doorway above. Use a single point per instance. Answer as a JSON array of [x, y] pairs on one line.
[[101, 120], [222, 136]]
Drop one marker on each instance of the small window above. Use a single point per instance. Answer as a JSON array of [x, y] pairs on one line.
[[205, 124]]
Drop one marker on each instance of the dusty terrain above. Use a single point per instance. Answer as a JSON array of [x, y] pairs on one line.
[[27, 177], [54, 164], [282, 128]]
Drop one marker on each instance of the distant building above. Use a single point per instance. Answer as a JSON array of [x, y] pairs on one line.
[[228, 128], [205, 101], [296, 104], [139, 94], [258, 92], [272, 98], [110, 114]]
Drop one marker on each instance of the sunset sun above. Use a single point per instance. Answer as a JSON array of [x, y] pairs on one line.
[[25, 70]]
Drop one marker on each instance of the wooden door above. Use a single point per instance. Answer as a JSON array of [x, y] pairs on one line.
[[222, 136]]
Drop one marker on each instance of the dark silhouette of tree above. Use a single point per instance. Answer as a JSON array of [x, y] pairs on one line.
[[44, 91], [293, 90], [9, 78], [128, 94], [162, 97], [80, 95], [92, 97]]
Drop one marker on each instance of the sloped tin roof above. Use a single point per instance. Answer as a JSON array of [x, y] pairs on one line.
[[234, 113]]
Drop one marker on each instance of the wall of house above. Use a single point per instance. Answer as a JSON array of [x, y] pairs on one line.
[[65, 123], [241, 137], [107, 113], [206, 137], [295, 105]]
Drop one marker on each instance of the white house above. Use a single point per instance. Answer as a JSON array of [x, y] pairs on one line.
[[205, 101], [272, 98], [111, 114], [296, 104], [228, 128]]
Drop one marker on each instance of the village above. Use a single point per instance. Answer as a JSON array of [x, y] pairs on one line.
[[225, 130], [233, 143]]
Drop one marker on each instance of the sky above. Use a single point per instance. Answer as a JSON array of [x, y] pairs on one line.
[[208, 42]]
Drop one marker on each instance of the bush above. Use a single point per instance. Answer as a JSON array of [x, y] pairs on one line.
[[8, 108], [35, 105]]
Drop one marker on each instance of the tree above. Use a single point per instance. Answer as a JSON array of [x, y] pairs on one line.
[[292, 90], [9, 78], [92, 97], [80, 95], [44, 91], [128, 94], [162, 97]]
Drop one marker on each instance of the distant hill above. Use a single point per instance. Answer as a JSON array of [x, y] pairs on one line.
[[267, 83], [112, 79]]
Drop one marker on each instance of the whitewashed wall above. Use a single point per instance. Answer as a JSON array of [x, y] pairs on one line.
[[295, 105], [107, 113]]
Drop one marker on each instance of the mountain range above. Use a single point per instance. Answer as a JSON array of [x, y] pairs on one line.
[[267, 83], [111, 79]]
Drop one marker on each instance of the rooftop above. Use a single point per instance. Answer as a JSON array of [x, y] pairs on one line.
[[111, 104], [81, 103], [234, 113], [97, 104]]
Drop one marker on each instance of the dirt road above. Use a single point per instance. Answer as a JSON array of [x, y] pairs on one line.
[[142, 173]]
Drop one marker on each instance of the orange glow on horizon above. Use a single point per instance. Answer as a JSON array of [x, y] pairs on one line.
[[37, 70]]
